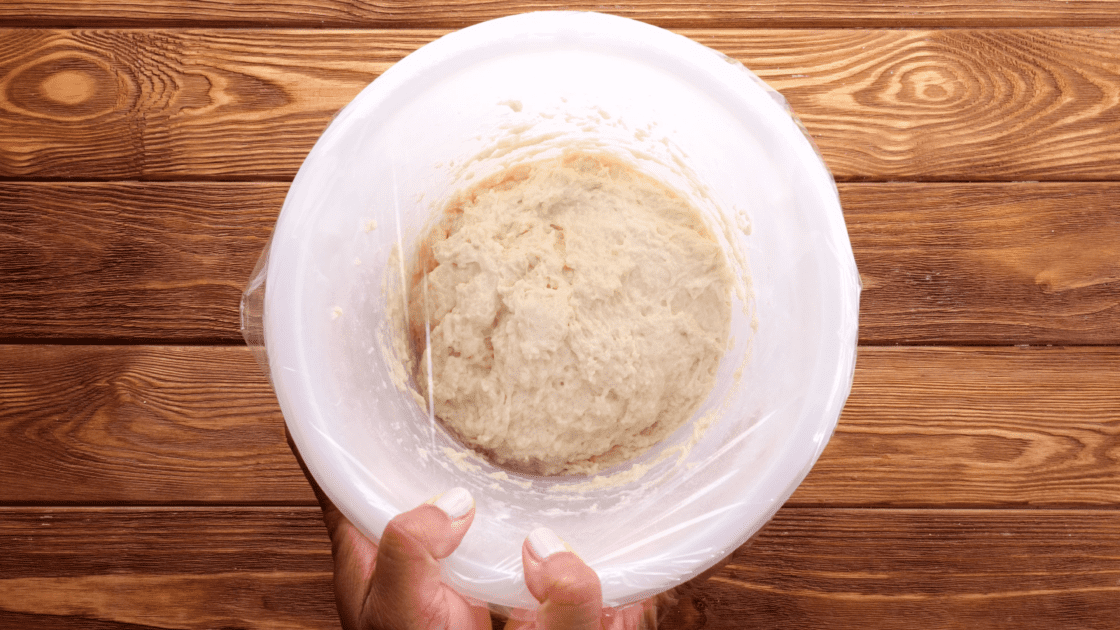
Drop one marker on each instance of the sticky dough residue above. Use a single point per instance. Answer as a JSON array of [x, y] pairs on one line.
[[577, 313], [645, 146]]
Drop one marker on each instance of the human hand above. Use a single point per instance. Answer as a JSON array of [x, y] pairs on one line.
[[569, 592], [396, 585]]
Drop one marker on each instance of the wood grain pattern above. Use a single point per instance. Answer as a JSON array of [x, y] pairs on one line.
[[924, 427], [975, 427], [949, 105], [146, 568], [140, 424], [265, 568], [398, 13], [130, 260], [178, 105], [994, 264], [972, 485], [930, 569], [971, 264]]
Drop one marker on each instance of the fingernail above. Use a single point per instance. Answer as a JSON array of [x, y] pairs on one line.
[[455, 503], [545, 542]]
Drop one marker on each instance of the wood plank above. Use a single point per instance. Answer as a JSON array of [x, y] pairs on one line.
[[64, 542], [920, 569], [130, 261], [949, 105], [146, 568], [458, 13], [976, 264], [129, 104], [142, 424], [975, 427], [988, 264], [924, 427], [809, 568]]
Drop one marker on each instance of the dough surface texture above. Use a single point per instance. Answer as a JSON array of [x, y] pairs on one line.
[[577, 313]]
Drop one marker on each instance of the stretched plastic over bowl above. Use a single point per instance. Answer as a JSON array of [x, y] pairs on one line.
[[527, 86]]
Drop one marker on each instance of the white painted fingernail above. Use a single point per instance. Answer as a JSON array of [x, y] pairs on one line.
[[545, 542], [456, 502]]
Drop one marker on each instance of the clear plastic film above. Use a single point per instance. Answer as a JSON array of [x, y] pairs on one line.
[[323, 307]]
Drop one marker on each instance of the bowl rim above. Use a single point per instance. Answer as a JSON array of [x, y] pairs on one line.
[[465, 46]]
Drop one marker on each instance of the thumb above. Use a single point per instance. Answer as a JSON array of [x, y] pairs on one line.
[[569, 591], [407, 573]]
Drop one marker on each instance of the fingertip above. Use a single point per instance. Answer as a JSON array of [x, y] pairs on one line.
[[543, 542], [407, 570], [569, 591], [426, 530], [569, 581], [455, 503]]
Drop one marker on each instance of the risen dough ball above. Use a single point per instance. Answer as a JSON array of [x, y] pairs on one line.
[[577, 312]]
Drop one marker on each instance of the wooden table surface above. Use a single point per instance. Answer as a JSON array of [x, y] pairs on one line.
[[973, 481]]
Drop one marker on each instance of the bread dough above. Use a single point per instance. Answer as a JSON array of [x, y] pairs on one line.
[[577, 313]]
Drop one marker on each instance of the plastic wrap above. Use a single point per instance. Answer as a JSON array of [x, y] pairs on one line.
[[319, 307]]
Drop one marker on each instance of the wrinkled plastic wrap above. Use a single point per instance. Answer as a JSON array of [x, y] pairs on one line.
[[318, 308]]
